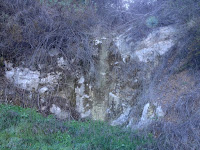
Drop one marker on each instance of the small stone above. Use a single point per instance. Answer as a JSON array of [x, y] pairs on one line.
[[43, 90]]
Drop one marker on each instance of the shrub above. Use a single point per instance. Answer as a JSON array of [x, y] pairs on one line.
[[32, 29], [193, 48], [152, 22]]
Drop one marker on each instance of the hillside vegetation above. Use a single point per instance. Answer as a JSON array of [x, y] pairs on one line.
[[31, 29]]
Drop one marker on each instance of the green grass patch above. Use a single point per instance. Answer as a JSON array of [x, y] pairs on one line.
[[22, 129]]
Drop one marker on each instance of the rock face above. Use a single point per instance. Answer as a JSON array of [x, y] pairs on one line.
[[150, 113], [31, 80], [108, 97], [156, 44], [101, 88], [58, 112], [148, 52], [82, 99], [24, 78]]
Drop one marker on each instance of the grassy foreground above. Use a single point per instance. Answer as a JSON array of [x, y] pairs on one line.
[[25, 129]]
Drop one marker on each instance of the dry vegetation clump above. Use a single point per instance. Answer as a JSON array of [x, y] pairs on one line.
[[30, 29], [192, 49], [185, 131], [144, 16]]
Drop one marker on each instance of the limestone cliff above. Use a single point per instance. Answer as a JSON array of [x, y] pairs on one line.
[[131, 99]]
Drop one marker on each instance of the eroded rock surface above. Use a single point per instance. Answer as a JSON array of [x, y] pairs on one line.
[[107, 97]]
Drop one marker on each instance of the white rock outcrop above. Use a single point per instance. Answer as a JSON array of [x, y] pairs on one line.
[[122, 118], [150, 113], [81, 97], [27, 79], [58, 112], [51, 79], [24, 78], [43, 90], [156, 44]]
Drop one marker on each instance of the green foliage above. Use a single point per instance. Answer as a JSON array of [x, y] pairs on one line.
[[152, 22], [26, 129]]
